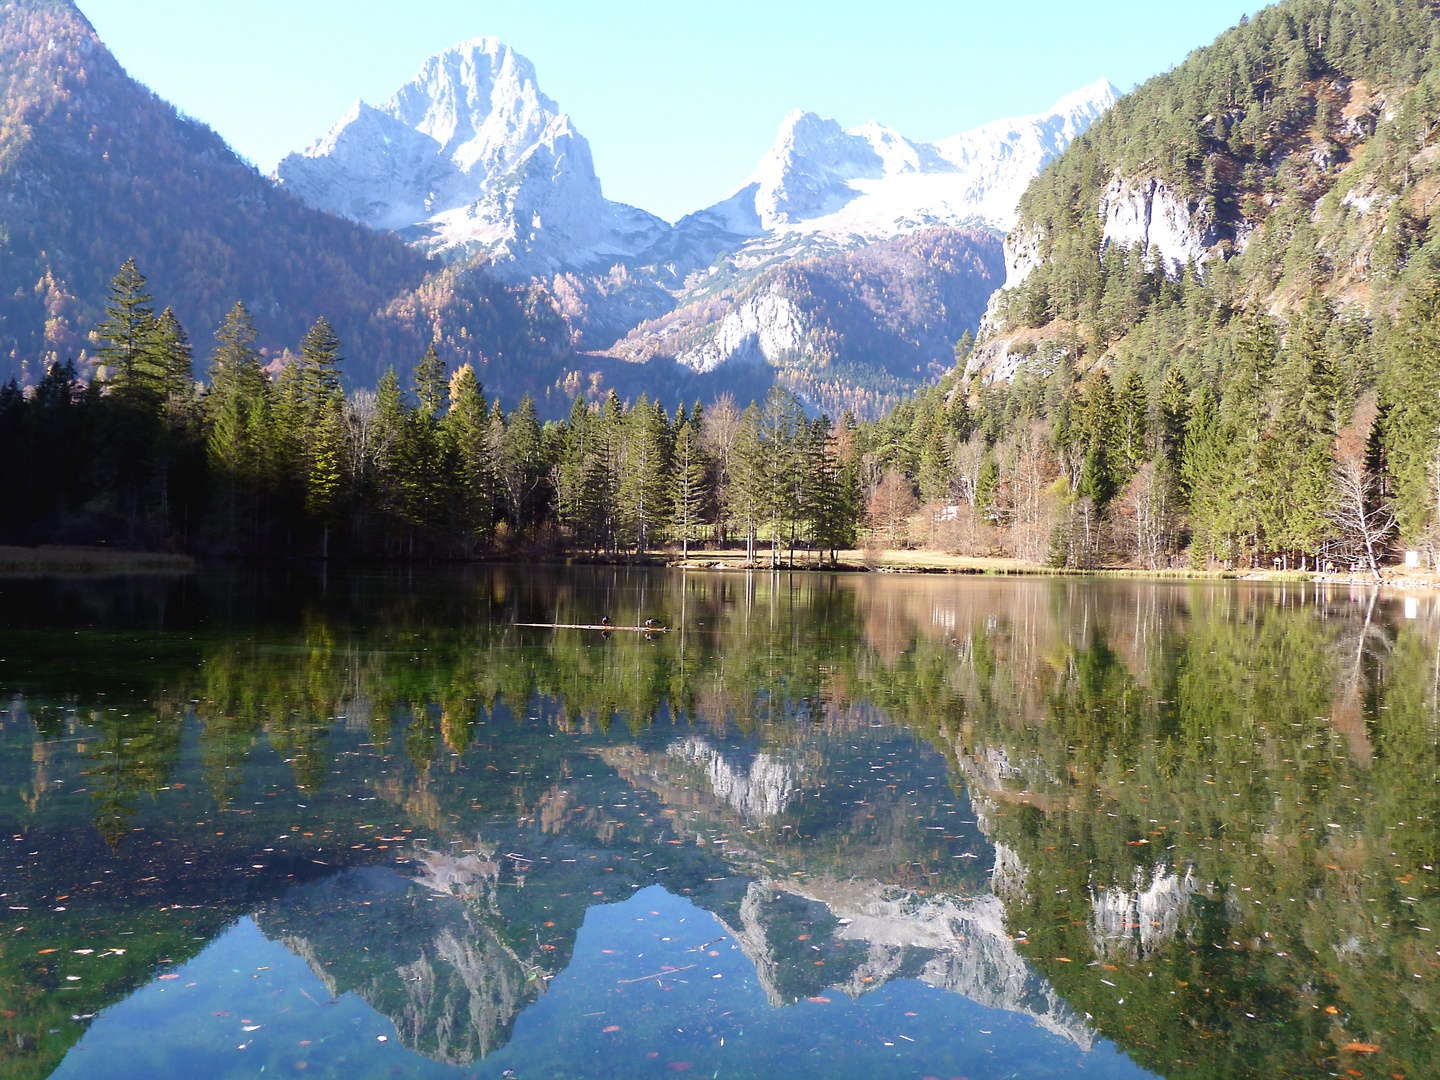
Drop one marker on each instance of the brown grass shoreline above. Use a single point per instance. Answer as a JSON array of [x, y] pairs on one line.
[[54, 559], [50, 559]]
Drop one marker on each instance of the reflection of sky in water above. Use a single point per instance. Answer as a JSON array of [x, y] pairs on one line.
[[997, 826], [707, 1015]]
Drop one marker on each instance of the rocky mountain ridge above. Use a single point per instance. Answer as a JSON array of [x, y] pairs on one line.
[[471, 156], [471, 160]]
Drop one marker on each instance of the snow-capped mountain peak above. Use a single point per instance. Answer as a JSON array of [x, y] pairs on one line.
[[470, 153], [873, 182], [479, 100]]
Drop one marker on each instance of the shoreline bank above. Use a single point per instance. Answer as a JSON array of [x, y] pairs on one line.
[[55, 559]]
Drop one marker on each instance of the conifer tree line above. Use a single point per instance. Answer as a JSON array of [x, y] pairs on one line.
[[237, 461], [1263, 442], [1222, 437]]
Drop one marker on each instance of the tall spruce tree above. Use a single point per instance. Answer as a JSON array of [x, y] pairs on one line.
[[128, 331], [643, 483], [467, 432], [687, 487]]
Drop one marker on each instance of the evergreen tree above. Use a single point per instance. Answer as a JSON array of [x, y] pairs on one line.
[[1174, 416], [748, 494], [427, 467], [520, 462], [129, 332], [687, 486], [319, 371], [325, 478], [1202, 476], [1130, 414], [643, 482], [467, 433], [432, 381], [1410, 396]]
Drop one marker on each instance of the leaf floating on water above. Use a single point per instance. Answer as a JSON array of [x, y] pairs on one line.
[[1362, 1047], [612, 1027]]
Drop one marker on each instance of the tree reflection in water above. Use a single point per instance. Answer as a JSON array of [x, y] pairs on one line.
[[1197, 820]]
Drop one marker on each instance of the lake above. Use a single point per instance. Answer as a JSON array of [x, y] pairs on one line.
[[361, 824]]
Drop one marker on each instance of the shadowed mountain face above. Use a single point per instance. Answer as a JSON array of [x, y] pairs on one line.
[[1110, 821], [95, 169]]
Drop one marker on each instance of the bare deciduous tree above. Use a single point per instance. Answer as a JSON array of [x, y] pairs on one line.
[[1145, 513], [891, 505], [967, 459], [1361, 512], [1027, 472]]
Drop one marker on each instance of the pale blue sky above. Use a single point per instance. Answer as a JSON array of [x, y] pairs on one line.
[[678, 100]]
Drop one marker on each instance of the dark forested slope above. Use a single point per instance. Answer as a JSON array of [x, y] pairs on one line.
[[94, 169]]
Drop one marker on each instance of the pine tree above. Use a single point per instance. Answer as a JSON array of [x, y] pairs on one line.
[[1410, 396], [520, 462], [687, 487], [1174, 415], [325, 478], [128, 328], [427, 465], [432, 382], [319, 371], [1202, 477], [386, 472], [467, 432], [782, 419], [1130, 416], [644, 480], [749, 492]]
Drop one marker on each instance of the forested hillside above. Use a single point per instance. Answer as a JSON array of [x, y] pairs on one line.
[[1220, 329], [95, 169]]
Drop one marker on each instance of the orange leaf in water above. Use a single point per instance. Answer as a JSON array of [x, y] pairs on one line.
[[1362, 1047]]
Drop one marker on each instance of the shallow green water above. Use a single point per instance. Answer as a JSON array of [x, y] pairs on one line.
[[364, 825]]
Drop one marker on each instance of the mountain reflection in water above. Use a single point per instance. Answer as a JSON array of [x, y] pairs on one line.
[[1194, 823]]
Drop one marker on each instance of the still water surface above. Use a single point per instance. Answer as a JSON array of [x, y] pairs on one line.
[[842, 826]]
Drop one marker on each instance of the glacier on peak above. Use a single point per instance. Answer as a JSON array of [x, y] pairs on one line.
[[471, 153]]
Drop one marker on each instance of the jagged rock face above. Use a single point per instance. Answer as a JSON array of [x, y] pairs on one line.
[[758, 793], [766, 328], [437, 969], [1147, 213], [469, 154], [1138, 920], [953, 944]]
